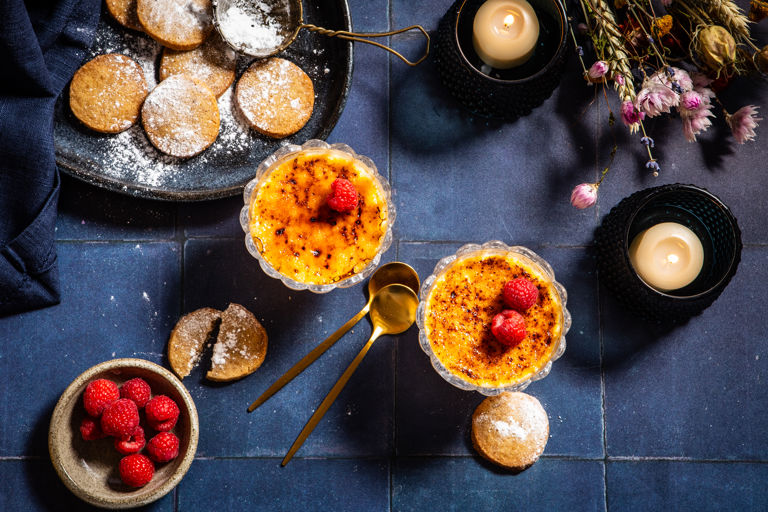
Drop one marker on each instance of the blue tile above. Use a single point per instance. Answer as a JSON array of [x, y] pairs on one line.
[[433, 417], [462, 178], [364, 124], [90, 213], [683, 486], [360, 421], [470, 484], [118, 300], [369, 16], [697, 391], [32, 484], [261, 484], [220, 218], [424, 13]]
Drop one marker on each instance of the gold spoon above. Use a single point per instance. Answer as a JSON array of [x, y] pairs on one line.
[[393, 311], [394, 272]]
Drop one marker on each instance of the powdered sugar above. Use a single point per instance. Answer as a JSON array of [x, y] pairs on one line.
[[251, 27], [510, 428]]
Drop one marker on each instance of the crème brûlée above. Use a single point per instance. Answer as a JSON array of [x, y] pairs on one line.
[[299, 235], [460, 310]]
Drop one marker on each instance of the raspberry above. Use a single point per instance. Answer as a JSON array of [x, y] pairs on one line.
[[343, 197], [520, 294], [137, 390], [136, 470], [120, 419], [98, 395], [163, 447], [133, 444], [90, 430], [162, 413], [509, 327]]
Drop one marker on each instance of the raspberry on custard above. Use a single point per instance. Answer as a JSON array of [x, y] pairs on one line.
[[343, 196], [136, 470], [509, 327], [98, 395], [520, 294], [162, 413], [137, 390], [133, 444], [120, 419], [163, 447]]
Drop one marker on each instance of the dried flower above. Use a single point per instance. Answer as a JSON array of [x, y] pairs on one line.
[[662, 26], [619, 79], [716, 47], [584, 195], [646, 140], [654, 166], [696, 121], [655, 98], [761, 59], [691, 100], [597, 71], [743, 123], [758, 10], [631, 115], [700, 80]]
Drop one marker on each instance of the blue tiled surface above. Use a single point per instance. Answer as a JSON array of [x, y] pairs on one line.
[[640, 418]]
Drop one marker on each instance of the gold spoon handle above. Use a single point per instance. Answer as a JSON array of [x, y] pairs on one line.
[[360, 38], [309, 358], [330, 397]]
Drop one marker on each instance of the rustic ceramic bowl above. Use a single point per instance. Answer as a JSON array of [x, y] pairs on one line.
[[90, 468]]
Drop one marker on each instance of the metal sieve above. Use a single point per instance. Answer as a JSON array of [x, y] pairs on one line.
[[281, 21]]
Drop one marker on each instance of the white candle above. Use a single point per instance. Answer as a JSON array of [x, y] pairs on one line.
[[667, 256], [504, 33]]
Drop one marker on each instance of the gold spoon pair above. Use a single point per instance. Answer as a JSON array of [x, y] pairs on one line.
[[392, 304]]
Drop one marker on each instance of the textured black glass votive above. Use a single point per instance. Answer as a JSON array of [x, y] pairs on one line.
[[693, 207], [502, 94]]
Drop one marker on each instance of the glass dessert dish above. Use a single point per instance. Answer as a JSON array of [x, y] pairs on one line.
[[296, 237], [457, 305]]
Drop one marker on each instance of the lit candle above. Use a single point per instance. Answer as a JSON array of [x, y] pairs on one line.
[[505, 32], [667, 256]]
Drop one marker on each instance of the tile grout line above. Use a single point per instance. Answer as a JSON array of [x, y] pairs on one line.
[[600, 335]]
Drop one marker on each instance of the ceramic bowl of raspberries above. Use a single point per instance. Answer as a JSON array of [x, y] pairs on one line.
[[123, 433]]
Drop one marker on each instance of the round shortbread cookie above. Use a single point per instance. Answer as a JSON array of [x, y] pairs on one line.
[[176, 24], [181, 116], [124, 11], [106, 93], [510, 429], [212, 63], [276, 97], [240, 347], [187, 341]]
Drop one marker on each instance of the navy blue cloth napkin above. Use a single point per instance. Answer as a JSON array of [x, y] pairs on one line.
[[42, 43]]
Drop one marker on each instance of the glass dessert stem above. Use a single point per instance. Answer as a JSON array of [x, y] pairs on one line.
[[309, 358]]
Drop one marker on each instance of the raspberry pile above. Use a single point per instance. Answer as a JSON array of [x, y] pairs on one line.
[[114, 412], [508, 327]]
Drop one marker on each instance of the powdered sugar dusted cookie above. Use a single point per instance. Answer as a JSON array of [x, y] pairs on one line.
[[124, 11], [510, 429], [181, 116], [212, 63], [188, 338], [176, 24], [276, 97], [106, 93], [241, 345]]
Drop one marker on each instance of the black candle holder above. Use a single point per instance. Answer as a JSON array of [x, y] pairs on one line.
[[696, 208], [501, 94]]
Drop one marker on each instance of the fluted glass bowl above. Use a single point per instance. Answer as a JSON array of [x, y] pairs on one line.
[[494, 247], [262, 173]]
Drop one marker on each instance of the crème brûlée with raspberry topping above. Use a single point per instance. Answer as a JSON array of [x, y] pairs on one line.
[[296, 231], [460, 309]]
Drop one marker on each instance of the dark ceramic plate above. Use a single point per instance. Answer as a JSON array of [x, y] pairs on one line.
[[129, 164]]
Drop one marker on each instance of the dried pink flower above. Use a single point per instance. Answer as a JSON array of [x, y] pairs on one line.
[[631, 115], [691, 100], [700, 80], [619, 79], [584, 195], [696, 121], [597, 71], [743, 123], [655, 98]]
